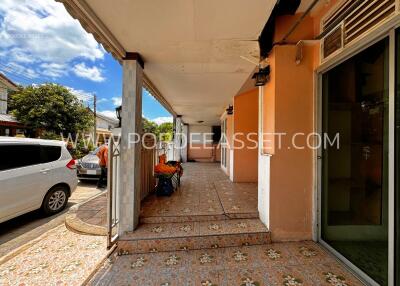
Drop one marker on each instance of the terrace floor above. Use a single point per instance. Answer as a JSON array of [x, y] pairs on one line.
[[208, 234], [206, 192], [276, 264]]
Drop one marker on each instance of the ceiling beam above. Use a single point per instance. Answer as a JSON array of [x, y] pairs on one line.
[[133, 56], [147, 84]]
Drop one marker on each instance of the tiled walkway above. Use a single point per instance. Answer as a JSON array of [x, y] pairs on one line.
[[207, 211], [94, 211], [205, 191], [59, 257], [279, 264], [23, 229]]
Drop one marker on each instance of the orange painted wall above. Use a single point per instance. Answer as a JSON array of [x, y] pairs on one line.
[[291, 177], [268, 120], [304, 31], [246, 122], [289, 105]]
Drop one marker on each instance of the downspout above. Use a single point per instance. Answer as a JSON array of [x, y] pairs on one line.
[[297, 23]]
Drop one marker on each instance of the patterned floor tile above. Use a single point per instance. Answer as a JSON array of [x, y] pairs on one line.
[[241, 266], [205, 190], [61, 257]]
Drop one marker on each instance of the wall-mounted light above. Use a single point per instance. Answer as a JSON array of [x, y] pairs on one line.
[[229, 110], [118, 112], [262, 76]]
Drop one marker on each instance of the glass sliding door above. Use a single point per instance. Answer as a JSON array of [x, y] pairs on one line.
[[354, 186]]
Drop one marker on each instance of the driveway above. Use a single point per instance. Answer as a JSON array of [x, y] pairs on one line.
[[18, 231]]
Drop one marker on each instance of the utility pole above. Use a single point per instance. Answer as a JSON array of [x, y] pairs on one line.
[[95, 121]]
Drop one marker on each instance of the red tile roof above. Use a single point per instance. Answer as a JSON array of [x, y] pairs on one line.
[[7, 81]]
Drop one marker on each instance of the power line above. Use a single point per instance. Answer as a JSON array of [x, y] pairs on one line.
[[11, 73], [12, 69], [27, 79], [18, 77]]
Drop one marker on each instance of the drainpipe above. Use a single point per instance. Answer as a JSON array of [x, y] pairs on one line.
[[298, 22]]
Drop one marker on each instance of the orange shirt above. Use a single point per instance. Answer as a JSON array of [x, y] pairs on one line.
[[103, 156]]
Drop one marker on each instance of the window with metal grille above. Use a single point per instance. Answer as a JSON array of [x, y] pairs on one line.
[[352, 19]]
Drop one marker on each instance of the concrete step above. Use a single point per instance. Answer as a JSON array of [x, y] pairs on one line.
[[197, 218], [194, 235]]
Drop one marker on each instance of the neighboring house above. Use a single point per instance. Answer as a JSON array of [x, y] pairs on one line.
[[104, 127], [9, 126]]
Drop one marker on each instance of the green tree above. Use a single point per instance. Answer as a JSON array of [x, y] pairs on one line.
[[149, 126], [166, 130], [50, 107], [162, 132]]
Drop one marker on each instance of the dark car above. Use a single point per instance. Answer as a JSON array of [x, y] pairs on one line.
[[88, 167]]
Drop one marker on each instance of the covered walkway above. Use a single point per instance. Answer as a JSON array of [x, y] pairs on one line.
[[205, 193]]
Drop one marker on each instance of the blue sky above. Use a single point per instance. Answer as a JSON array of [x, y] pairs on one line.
[[40, 42]]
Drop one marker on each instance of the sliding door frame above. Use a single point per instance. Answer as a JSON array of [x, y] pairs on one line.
[[367, 41]]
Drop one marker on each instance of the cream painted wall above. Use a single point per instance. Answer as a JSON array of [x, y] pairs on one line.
[[199, 134], [201, 147]]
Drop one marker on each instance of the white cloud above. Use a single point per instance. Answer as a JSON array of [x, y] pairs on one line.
[[45, 31], [42, 33], [91, 73], [158, 120], [101, 100], [54, 70], [117, 101], [19, 55], [109, 113], [83, 95], [163, 119]]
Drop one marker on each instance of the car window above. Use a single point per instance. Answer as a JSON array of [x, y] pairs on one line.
[[50, 153], [14, 156], [95, 151]]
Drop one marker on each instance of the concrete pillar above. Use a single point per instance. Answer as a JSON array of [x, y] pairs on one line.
[[131, 128], [263, 165], [178, 138], [185, 140]]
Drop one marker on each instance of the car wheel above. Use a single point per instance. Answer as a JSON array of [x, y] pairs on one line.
[[55, 200]]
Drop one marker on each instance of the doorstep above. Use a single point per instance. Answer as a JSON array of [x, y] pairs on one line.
[[162, 237]]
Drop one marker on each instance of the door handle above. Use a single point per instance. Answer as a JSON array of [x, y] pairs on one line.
[[44, 171]]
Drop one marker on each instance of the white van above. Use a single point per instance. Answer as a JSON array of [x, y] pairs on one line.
[[34, 174]]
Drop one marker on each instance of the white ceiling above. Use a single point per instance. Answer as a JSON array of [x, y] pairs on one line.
[[192, 48]]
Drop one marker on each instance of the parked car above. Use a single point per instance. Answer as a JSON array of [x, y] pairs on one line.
[[88, 167], [34, 174]]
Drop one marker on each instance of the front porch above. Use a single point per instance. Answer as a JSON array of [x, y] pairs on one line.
[[207, 211], [292, 263], [206, 193], [208, 234]]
